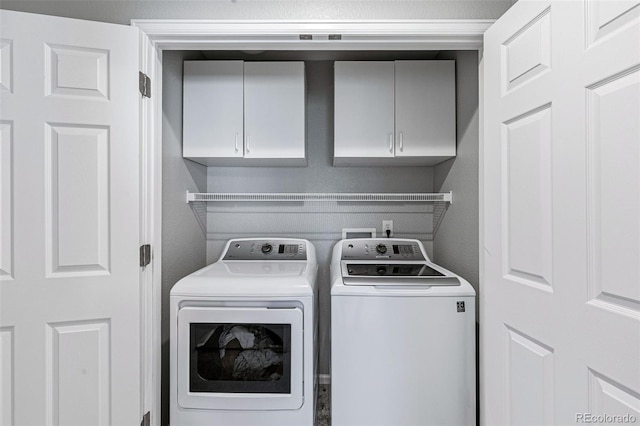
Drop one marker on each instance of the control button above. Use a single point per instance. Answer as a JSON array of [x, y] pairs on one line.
[[266, 248], [381, 248], [381, 270]]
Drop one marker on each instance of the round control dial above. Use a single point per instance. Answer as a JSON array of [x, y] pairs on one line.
[[381, 248], [266, 248]]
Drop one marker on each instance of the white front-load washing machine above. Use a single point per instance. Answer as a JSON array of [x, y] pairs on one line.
[[242, 337], [402, 337]]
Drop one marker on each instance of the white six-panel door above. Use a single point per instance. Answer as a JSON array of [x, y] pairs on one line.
[[560, 307], [69, 224]]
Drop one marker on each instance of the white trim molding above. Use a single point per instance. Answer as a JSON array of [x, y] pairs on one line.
[[320, 35], [317, 35], [150, 114]]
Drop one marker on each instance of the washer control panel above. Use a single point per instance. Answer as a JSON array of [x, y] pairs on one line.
[[263, 249], [381, 248]]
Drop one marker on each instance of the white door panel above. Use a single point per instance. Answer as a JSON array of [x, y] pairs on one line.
[[6, 198], [70, 304], [560, 301]]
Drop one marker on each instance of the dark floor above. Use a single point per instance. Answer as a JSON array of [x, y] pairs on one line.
[[323, 410]]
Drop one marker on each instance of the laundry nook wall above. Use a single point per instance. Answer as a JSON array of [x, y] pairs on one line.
[[319, 222]]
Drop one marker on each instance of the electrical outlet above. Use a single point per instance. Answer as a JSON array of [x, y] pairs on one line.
[[387, 225]]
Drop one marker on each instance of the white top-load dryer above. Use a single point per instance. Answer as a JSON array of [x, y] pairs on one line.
[[242, 337], [402, 337]]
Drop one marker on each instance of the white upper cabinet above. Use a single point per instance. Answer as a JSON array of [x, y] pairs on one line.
[[394, 113], [364, 109], [212, 124], [274, 111], [425, 110], [239, 113]]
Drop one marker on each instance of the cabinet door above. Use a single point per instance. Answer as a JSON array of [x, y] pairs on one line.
[[274, 113], [364, 110], [425, 109], [212, 110]]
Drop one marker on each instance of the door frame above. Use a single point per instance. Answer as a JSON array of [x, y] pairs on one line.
[[158, 35]]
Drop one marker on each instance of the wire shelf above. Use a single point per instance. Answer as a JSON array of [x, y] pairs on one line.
[[329, 197]]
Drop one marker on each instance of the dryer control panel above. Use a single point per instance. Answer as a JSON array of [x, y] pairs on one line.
[[381, 248], [263, 249]]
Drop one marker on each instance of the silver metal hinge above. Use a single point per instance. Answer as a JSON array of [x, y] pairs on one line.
[[146, 419], [144, 83], [145, 255]]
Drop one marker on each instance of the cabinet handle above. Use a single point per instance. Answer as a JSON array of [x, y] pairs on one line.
[[246, 143], [391, 143], [401, 142], [236, 143]]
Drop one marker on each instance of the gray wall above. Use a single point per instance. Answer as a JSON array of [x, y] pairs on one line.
[[321, 223], [454, 245], [456, 241], [123, 11], [183, 237]]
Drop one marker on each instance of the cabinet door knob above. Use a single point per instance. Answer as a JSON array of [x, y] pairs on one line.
[[391, 143], [236, 143], [401, 142], [246, 143]]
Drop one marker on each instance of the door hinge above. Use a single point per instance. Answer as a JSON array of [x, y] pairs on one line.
[[144, 83], [145, 254], [146, 419]]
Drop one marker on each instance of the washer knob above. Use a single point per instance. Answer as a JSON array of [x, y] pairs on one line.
[[381, 248], [266, 248], [381, 270]]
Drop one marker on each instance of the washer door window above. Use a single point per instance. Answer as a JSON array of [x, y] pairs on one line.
[[240, 358]]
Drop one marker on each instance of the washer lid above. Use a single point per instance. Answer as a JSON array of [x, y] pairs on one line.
[[405, 273]]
